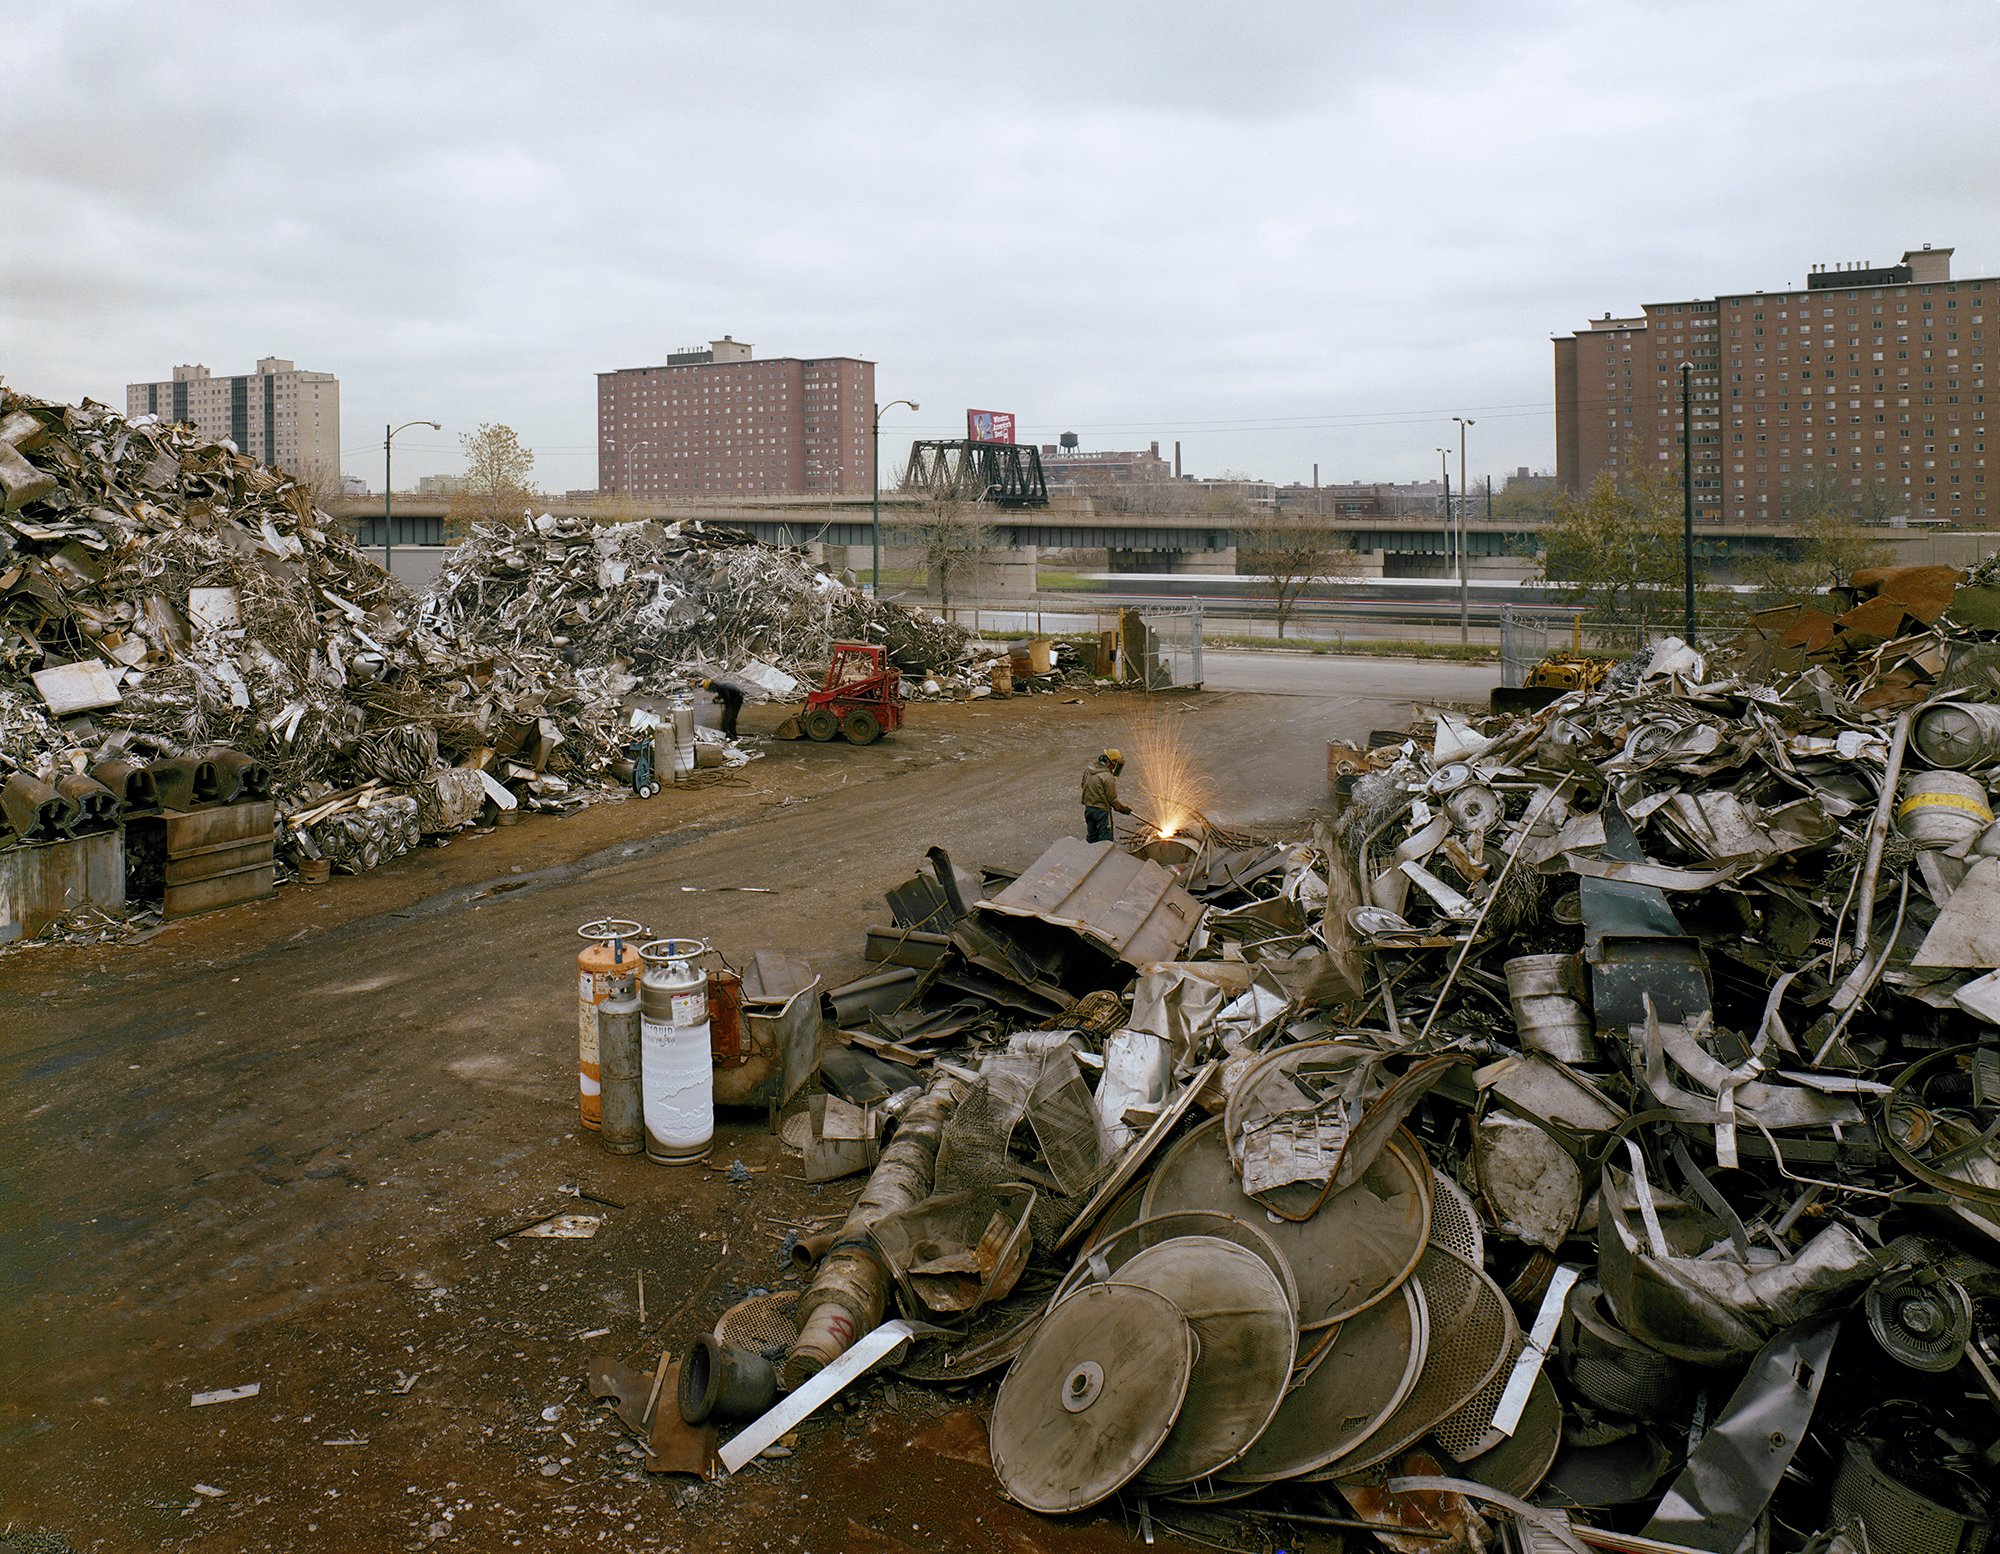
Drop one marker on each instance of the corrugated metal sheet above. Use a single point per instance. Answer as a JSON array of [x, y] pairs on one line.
[[1129, 907]]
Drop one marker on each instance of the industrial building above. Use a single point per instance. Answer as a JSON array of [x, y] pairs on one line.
[[718, 422], [276, 415], [1871, 376]]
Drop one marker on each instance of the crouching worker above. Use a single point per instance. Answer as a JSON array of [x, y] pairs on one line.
[[1100, 796]]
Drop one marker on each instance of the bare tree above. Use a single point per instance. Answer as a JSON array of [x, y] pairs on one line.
[[499, 479], [953, 538], [1828, 543], [1289, 553]]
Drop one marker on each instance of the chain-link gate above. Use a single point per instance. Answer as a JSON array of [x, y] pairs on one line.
[[1159, 645], [1524, 643]]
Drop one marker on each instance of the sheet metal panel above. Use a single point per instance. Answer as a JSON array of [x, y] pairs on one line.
[[1130, 907]]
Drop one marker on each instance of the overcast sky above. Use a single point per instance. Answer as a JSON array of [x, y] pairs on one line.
[[1280, 233]]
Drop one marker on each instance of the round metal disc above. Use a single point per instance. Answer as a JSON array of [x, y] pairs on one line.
[[1454, 1221], [1091, 1397], [1471, 1329], [1521, 1461], [1360, 1245], [1108, 1254], [1369, 1370], [1245, 1337]]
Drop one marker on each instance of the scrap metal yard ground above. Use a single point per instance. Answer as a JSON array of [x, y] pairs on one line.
[[274, 1145]]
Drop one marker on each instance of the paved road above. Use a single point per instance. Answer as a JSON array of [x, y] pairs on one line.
[[1337, 679]]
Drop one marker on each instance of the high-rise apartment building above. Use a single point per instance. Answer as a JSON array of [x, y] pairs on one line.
[[1875, 377], [277, 414], [717, 422]]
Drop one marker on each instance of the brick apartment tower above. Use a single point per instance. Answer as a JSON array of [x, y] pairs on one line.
[[277, 415], [715, 422], [1877, 376]]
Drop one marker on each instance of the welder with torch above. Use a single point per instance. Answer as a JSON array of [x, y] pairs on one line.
[[1100, 796]]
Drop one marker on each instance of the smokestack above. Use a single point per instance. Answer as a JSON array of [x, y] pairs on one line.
[[1315, 477], [1177, 458]]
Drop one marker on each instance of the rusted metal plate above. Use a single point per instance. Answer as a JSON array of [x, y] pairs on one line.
[[251, 884], [1128, 907], [194, 829], [39, 883]]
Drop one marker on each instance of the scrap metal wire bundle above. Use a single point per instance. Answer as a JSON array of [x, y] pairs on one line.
[[355, 840]]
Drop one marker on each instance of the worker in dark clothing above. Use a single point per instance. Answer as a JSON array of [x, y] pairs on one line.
[[730, 698], [1100, 796]]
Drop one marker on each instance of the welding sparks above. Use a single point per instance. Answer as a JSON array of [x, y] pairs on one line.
[[1172, 788]]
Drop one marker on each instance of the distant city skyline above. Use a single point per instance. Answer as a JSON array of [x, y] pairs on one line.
[[1281, 236]]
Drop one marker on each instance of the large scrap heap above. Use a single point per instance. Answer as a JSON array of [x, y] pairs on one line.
[[1589, 1136], [162, 596]]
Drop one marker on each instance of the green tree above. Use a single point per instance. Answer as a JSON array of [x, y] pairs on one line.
[[1828, 543], [499, 479], [1618, 546]]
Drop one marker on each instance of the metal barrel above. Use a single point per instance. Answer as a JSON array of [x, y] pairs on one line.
[[1942, 809], [1548, 1014], [623, 1129], [1958, 735]]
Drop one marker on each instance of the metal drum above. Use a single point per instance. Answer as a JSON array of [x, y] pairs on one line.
[[683, 740], [1548, 1013], [1961, 735], [677, 1072], [1942, 809], [610, 965]]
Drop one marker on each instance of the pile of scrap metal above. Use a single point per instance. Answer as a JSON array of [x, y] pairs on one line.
[[610, 611], [180, 632], [1604, 1152]]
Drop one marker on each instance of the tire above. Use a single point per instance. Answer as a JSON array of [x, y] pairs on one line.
[[861, 727], [820, 725]]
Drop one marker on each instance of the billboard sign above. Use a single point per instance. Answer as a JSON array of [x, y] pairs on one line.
[[990, 425]]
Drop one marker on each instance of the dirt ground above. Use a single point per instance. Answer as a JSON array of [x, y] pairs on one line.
[[275, 1145]]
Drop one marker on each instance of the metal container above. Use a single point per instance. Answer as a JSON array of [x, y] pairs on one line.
[[1942, 809], [1548, 1012], [1899, 1518], [743, 1070], [1958, 735], [624, 1126], [683, 740], [677, 1070], [720, 1382], [609, 965]]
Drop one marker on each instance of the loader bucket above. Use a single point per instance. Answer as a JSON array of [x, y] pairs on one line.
[[789, 729], [1522, 698]]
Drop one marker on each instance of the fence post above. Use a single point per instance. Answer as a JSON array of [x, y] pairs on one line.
[[1194, 645]]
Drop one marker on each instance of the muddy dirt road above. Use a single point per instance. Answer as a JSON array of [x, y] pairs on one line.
[[275, 1146]]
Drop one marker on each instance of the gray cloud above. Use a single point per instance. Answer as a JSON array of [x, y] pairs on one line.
[[1283, 233]]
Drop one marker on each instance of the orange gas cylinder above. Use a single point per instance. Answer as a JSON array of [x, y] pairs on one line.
[[610, 964]]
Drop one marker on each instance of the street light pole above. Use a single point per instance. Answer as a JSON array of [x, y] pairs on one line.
[[1444, 474], [1465, 493], [875, 493], [388, 488], [1687, 490]]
